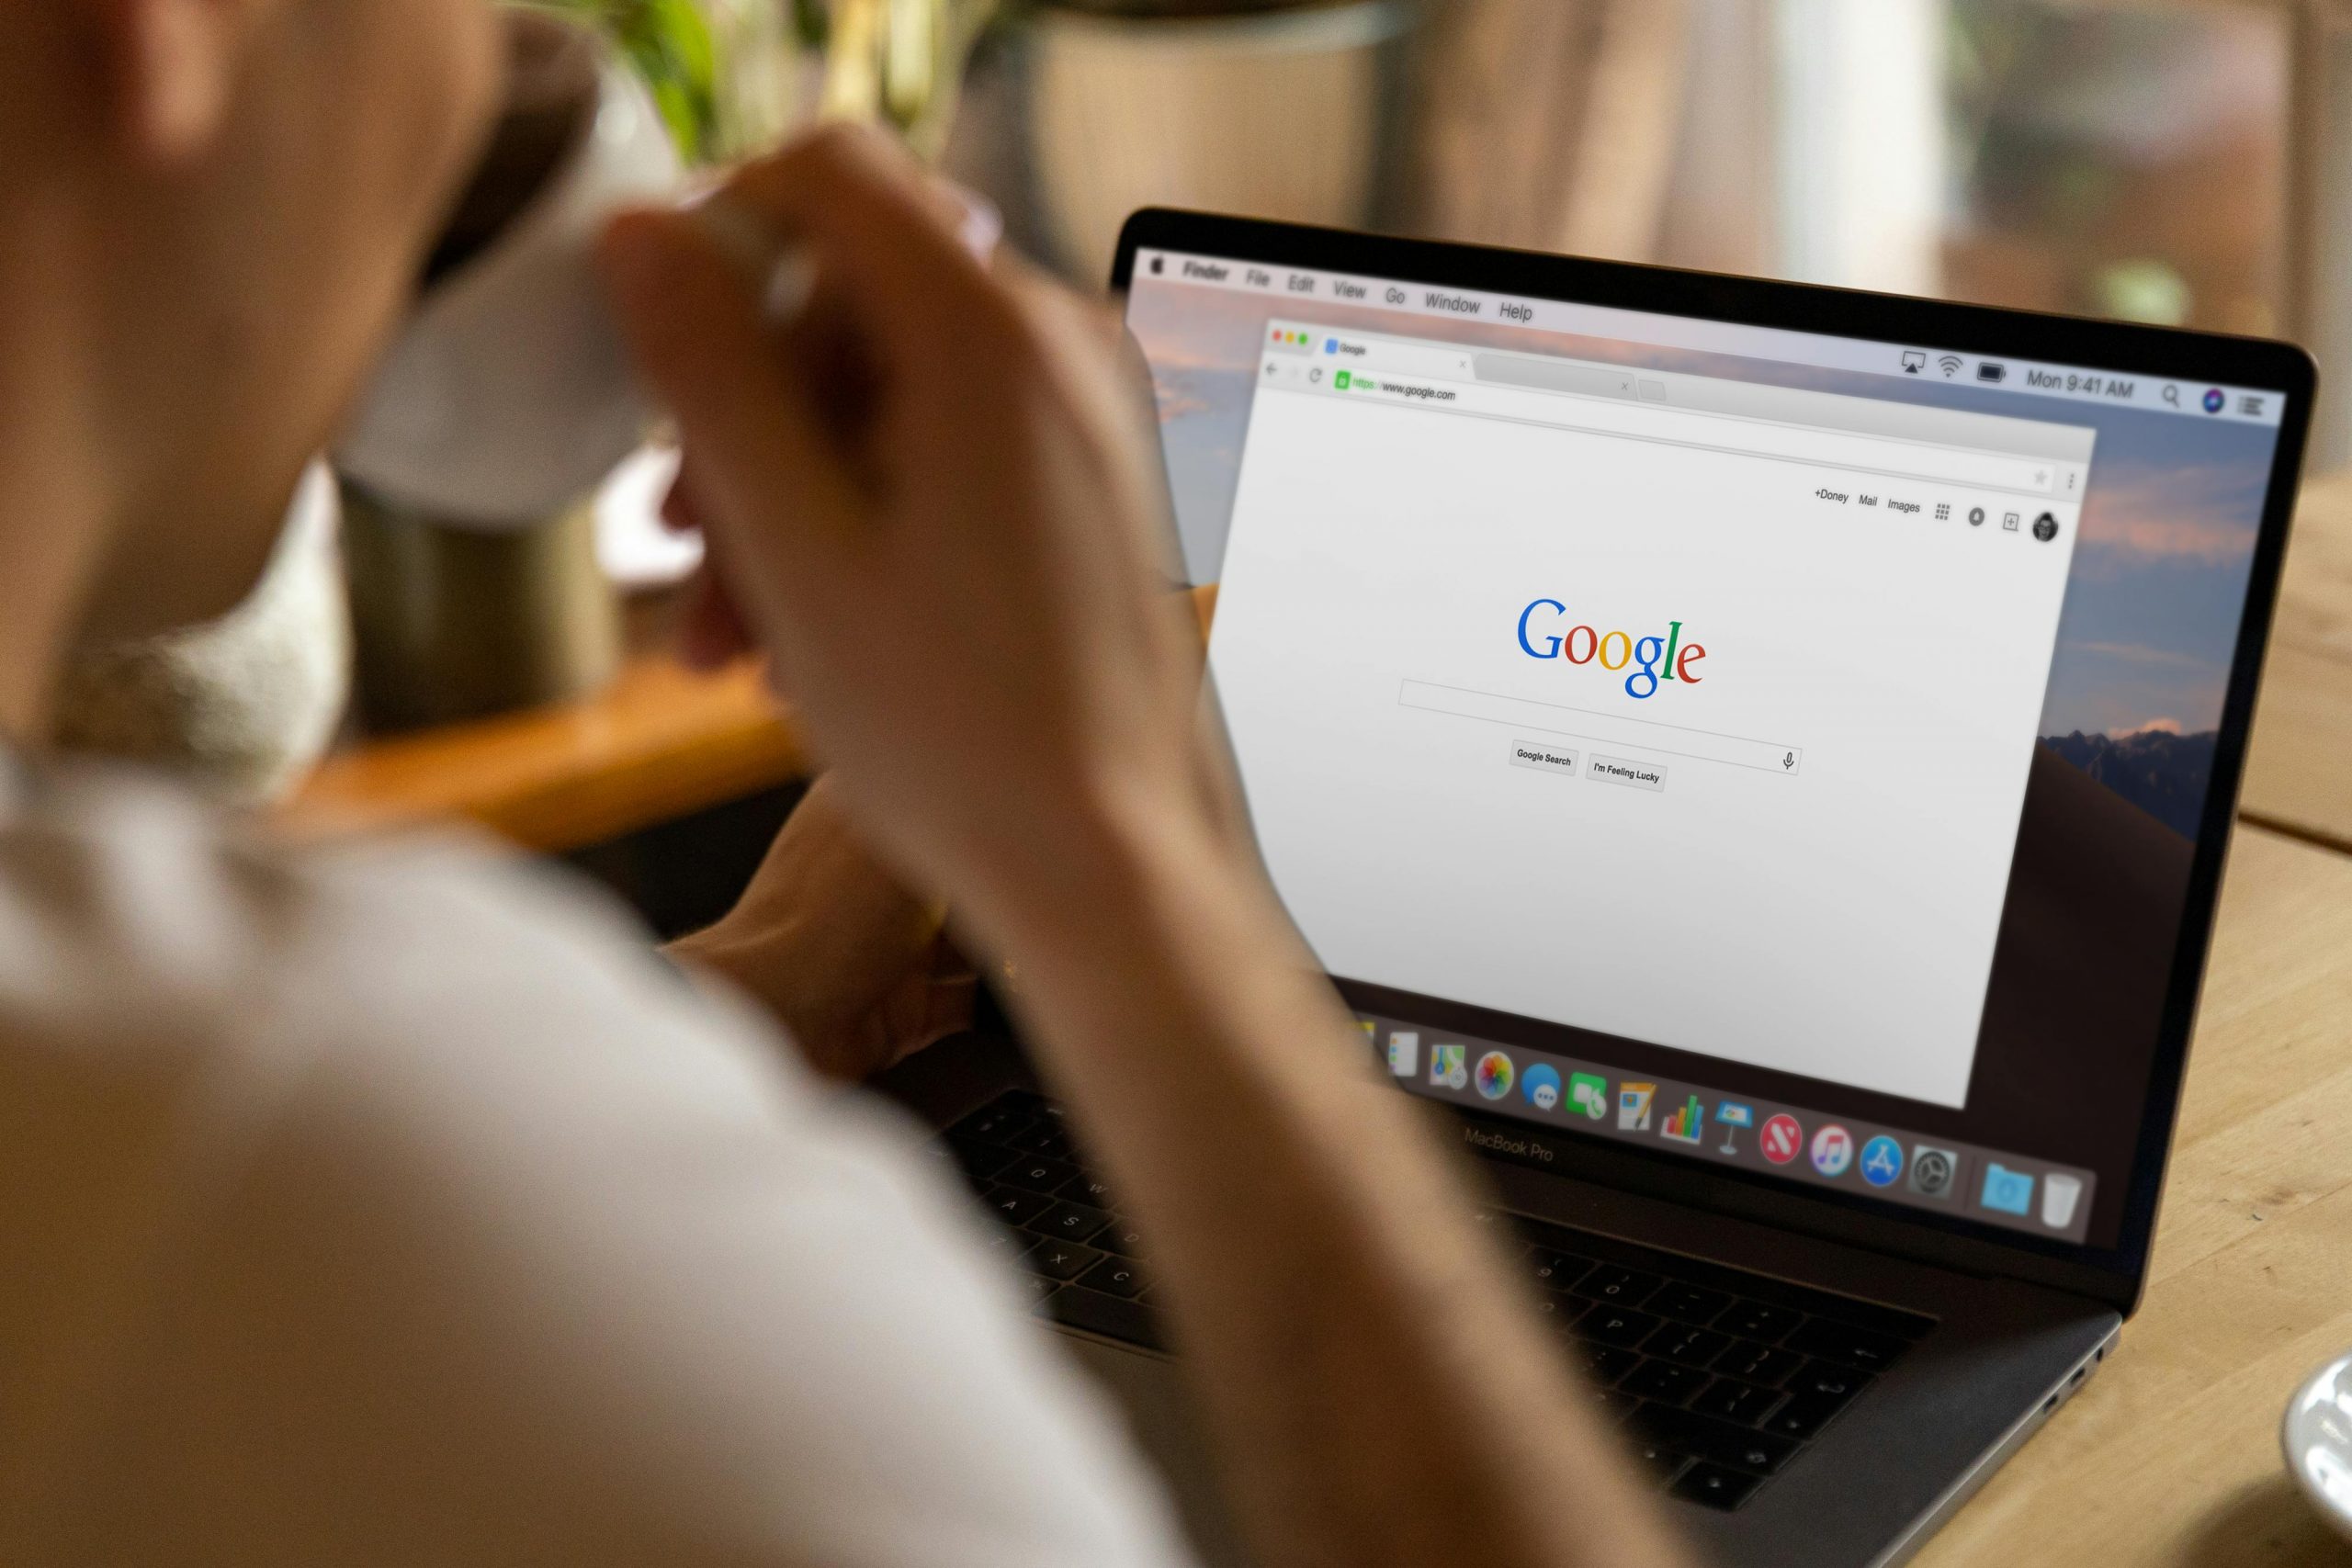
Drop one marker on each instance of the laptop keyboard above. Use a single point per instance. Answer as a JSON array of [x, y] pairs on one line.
[[1718, 1378]]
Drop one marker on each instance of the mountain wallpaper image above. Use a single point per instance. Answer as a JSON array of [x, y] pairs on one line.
[[2162, 773]]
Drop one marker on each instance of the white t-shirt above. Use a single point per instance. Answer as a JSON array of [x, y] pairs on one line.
[[399, 1205]]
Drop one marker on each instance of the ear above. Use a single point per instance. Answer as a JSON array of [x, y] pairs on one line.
[[169, 68]]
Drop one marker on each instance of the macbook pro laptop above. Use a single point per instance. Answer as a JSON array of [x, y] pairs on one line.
[[1761, 759]]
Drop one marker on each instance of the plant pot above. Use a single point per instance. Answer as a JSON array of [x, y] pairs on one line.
[[1277, 114]]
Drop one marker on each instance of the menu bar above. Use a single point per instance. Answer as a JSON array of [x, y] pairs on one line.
[[1909, 362], [1794, 1143]]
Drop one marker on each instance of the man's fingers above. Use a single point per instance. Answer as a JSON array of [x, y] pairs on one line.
[[909, 253], [696, 329]]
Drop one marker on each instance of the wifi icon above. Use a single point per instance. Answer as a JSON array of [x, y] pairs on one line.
[[1949, 364]]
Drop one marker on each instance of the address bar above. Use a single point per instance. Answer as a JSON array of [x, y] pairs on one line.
[[1609, 412]]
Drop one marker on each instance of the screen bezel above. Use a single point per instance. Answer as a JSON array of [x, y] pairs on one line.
[[2117, 1274]]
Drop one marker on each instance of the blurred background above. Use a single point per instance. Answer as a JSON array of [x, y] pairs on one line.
[[2177, 161], [2180, 162]]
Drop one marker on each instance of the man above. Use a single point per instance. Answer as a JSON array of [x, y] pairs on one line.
[[394, 1205]]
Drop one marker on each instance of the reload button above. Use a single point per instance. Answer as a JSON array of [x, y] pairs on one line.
[[1535, 754], [1624, 771]]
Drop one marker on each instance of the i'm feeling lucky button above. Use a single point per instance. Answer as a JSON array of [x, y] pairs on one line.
[[1621, 770]]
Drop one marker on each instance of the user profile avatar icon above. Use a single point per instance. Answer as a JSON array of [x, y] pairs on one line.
[[2045, 527]]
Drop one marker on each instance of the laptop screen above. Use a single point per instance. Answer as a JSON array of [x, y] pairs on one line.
[[1775, 749]]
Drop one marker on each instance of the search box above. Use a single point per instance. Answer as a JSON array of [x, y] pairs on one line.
[[1608, 728]]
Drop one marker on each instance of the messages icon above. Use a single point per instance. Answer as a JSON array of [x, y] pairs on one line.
[[2007, 1192], [1589, 1092]]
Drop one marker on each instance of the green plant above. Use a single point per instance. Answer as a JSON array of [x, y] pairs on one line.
[[672, 45]]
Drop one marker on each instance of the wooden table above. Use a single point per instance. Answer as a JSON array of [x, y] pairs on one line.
[[2298, 769], [2170, 1454]]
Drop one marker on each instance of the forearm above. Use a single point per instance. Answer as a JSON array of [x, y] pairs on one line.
[[1351, 1331]]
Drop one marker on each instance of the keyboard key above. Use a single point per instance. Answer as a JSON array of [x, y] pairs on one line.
[[1834, 1341], [1059, 1259], [1069, 1222], [1752, 1362], [1560, 1311], [1075, 1306], [1803, 1416], [1728, 1399], [1758, 1320], [1612, 1282], [1719, 1442], [1122, 1238], [979, 1161], [1613, 1404], [1015, 1207], [993, 1123], [1662, 1463], [1606, 1363], [1088, 1188], [1665, 1381], [1046, 1139], [1687, 1303], [1556, 1270], [1692, 1346], [1117, 1277], [1616, 1326], [1712, 1486], [1037, 1174], [1825, 1379]]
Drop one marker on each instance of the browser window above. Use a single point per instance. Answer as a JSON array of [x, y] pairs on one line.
[[1773, 748], [1550, 700]]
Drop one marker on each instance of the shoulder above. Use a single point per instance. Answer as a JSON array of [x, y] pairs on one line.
[[441, 1133]]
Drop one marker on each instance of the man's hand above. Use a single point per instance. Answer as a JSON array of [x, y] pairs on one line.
[[938, 512], [858, 969]]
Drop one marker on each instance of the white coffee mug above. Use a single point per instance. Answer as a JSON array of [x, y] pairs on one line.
[[508, 396]]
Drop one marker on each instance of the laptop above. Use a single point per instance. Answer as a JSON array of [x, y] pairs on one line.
[[1758, 760]]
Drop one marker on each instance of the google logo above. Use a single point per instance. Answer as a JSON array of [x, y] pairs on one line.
[[1654, 658]]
